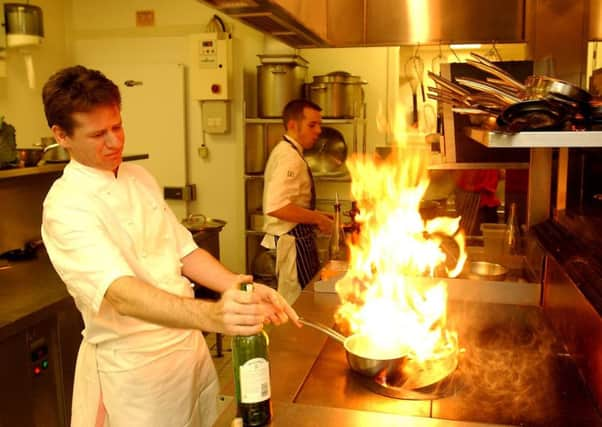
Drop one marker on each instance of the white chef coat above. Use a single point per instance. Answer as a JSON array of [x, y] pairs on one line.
[[97, 228], [286, 180]]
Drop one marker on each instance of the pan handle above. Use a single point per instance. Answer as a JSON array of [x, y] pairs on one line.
[[325, 329]]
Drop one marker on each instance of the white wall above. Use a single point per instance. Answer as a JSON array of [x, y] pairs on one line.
[[107, 33], [20, 105], [371, 64]]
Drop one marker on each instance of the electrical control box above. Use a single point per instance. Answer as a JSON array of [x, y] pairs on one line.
[[210, 66], [216, 116]]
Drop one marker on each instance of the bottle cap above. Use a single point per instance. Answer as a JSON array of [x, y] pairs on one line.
[[246, 287]]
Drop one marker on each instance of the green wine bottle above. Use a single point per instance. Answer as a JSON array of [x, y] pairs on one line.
[[252, 376]]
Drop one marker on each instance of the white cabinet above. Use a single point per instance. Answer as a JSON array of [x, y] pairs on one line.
[[261, 135]]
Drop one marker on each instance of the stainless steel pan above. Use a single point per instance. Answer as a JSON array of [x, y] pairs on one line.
[[486, 65], [448, 84], [538, 114], [407, 374], [539, 87], [489, 88], [355, 345]]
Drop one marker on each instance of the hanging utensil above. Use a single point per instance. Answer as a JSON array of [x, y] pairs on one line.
[[436, 62], [414, 67]]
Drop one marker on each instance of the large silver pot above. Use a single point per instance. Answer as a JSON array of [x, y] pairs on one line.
[[280, 79], [25, 19], [338, 93], [55, 153]]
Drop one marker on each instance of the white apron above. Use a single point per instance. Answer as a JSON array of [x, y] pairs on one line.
[[142, 384], [286, 268]]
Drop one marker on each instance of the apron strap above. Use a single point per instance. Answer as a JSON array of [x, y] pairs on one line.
[[312, 200]]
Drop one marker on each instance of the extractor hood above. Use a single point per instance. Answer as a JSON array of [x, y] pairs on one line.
[[340, 23], [291, 21]]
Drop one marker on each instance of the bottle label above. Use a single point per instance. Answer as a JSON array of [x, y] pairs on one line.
[[255, 381]]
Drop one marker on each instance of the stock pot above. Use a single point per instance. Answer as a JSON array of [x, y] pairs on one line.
[[280, 79], [340, 94]]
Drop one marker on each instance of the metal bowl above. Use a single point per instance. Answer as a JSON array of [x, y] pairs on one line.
[[329, 153], [487, 271], [30, 156], [199, 222]]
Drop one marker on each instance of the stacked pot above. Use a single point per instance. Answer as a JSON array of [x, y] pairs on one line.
[[340, 94], [280, 79]]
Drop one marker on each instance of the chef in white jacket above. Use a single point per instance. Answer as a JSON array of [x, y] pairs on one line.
[[128, 263], [289, 200]]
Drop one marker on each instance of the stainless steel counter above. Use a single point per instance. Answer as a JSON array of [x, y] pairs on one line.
[[54, 167], [512, 371], [300, 415], [29, 290]]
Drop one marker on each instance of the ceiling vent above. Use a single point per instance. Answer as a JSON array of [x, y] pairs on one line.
[[272, 19]]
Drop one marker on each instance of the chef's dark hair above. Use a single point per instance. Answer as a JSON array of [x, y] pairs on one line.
[[294, 110], [76, 89]]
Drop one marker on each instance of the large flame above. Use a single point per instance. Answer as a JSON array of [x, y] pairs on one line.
[[383, 293]]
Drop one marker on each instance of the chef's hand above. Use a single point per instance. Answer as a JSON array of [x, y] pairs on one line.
[[324, 223], [275, 308], [242, 313]]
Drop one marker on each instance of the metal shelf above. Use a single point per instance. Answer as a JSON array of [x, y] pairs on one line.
[[483, 165], [317, 177], [571, 139], [278, 120]]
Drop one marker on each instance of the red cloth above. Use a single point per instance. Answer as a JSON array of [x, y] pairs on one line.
[[482, 181]]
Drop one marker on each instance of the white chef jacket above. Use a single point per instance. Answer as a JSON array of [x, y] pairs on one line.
[[286, 180], [96, 228]]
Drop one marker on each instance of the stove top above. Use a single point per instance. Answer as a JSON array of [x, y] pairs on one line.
[[511, 370]]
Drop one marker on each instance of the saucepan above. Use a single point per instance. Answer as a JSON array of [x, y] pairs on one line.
[[358, 349], [55, 153], [30, 156]]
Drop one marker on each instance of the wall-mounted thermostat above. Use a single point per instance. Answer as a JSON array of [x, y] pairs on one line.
[[210, 66]]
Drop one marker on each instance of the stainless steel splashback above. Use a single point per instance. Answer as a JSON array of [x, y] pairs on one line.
[[338, 23], [395, 22], [21, 201]]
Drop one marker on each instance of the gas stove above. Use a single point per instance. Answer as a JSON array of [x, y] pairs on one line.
[[512, 370]]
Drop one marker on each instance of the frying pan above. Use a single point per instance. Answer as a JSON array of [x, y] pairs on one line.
[[355, 346], [532, 115], [543, 87]]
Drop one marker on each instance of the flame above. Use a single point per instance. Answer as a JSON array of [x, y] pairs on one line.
[[384, 294]]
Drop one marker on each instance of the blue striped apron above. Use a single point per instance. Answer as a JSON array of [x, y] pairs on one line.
[[308, 263]]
